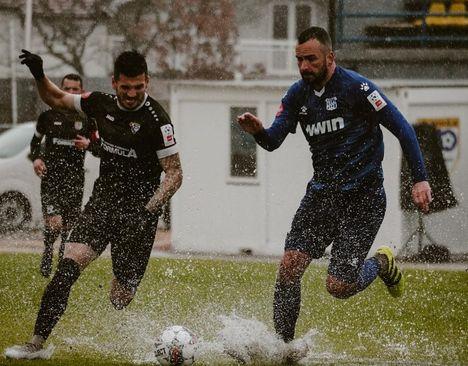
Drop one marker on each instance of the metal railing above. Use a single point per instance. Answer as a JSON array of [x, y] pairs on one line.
[[420, 34]]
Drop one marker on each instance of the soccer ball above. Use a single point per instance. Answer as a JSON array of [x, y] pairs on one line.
[[175, 346]]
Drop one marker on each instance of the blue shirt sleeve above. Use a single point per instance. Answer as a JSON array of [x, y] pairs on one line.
[[383, 111], [284, 123]]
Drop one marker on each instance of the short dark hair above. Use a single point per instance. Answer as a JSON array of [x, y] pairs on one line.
[[317, 33], [131, 64], [75, 77]]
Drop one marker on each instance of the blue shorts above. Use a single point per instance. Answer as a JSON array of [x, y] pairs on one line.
[[347, 220]]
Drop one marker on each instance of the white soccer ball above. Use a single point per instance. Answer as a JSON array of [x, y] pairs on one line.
[[175, 346]]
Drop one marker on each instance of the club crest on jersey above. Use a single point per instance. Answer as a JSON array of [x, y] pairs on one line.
[[78, 125], [134, 127], [331, 104], [303, 110]]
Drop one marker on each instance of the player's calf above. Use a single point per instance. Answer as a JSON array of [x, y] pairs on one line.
[[120, 296], [340, 289]]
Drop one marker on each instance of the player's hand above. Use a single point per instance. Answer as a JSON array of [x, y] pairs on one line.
[[39, 167], [250, 123], [34, 62], [422, 195], [147, 219], [81, 142]]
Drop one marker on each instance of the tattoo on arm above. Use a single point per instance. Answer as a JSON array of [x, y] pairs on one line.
[[170, 184]]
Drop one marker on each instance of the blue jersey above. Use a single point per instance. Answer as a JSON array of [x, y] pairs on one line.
[[341, 123]]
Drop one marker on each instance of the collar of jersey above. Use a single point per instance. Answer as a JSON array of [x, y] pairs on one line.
[[134, 109], [320, 92]]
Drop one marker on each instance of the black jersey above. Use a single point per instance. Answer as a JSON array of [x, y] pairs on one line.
[[60, 129], [131, 144]]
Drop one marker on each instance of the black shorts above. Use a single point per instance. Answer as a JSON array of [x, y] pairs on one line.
[[349, 221], [62, 195], [121, 226]]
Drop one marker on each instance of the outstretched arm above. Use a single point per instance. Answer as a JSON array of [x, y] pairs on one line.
[[270, 139], [50, 93], [394, 121], [170, 184]]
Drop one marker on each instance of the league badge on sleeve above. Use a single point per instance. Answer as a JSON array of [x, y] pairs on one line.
[[377, 101], [168, 135], [78, 125]]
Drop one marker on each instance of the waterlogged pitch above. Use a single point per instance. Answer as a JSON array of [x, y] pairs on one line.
[[228, 304]]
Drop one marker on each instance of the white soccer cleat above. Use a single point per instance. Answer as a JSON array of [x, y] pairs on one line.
[[29, 351]]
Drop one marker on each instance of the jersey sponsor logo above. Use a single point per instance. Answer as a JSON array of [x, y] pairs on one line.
[[280, 110], [168, 135], [62, 142], [78, 125], [376, 100], [57, 123], [110, 118], [364, 86], [303, 111], [118, 150], [331, 103], [326, 126], [134, 127]]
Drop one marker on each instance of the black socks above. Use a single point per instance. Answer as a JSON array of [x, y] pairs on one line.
[[55, 298], [286, 306]]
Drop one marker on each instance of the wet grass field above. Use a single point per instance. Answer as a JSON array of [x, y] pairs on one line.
[[429, 325]]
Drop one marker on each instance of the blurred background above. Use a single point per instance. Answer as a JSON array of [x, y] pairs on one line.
[[212, 60]]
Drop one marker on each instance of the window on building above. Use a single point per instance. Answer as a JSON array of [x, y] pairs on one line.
[[303, 18], [243, 146], [290, 19], [280, 22]]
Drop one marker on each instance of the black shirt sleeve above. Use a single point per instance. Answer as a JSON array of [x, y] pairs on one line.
[[35, 146]]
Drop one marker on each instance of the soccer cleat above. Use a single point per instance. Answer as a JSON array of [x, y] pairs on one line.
[[29, 351], [391, 276], [296, 351], [46, 261]]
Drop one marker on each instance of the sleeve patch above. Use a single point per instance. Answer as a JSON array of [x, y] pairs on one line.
[[377, 101], [168, 135]]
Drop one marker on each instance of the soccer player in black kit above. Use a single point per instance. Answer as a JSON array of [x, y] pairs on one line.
[[60, 165], [137, 145], [339, 113]]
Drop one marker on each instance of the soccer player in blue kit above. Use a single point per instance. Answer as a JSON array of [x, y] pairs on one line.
[[340, 113]]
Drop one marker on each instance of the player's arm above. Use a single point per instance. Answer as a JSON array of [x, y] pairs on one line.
[[390, 117], [271, 138], [50, 93], [169, 185], [36, 146]]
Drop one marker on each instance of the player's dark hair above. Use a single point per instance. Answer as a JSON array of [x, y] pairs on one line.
[[317, 33], [131, 64], [74, 77]]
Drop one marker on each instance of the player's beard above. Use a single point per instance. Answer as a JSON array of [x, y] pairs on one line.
[[315, 79]]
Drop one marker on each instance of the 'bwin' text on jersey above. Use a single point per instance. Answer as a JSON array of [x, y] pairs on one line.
[[326, 126]]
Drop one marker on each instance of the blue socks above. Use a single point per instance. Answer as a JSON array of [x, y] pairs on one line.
[[369, 272]]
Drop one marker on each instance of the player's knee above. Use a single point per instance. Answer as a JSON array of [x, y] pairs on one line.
[[339, 289], [54, 222], [292, 267]]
